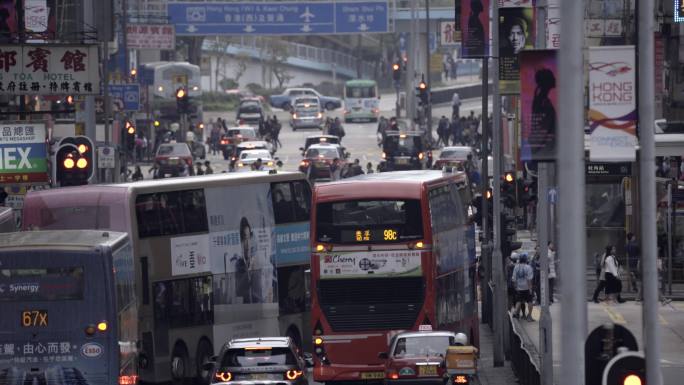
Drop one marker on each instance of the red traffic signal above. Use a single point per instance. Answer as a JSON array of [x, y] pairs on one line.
[[422, 85], [509, 177]]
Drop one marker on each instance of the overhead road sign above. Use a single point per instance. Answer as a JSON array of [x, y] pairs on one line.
[[279, 18], [125, 97]]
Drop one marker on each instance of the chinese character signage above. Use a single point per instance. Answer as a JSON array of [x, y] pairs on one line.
[[678, 11], [153, 36], [49, 70], [23, 153], [553, 29], [475, 28], [516, 33], [612, 104], [370, 264], [539, 103]]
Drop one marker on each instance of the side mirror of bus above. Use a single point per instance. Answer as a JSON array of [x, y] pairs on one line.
[[383, 355], [308, 359]]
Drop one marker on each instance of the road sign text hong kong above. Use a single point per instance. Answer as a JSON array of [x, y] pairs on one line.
[[23, 153], [49, 70]]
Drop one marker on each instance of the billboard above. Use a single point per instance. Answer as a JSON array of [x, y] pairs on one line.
[[474, 28], [612, 104], [539, 104], [516, 33], [449, 35], [151, 36], [23, 153], [49, 70], [370, 264], [514, 3]]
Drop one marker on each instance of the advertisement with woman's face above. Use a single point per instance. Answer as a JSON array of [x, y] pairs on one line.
[[242, 244], [475, 26], [516, 33]]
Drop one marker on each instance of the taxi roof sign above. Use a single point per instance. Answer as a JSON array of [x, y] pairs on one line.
[[425, 328]]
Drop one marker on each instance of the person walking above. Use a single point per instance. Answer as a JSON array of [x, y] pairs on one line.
[[369, 168], [137, 174], [443, 131], [207, 168], [612, 275], [522, 278], [456, 105], [632, 251], [455, 132], [600, 261]]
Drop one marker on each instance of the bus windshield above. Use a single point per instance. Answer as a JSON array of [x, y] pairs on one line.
[[357, 92], [339, 222]]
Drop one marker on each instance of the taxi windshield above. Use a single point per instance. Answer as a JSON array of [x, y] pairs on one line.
[[422, 346], [322, 153], [258, 357]]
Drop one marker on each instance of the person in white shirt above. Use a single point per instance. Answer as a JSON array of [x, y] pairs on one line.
[[456, 105], [612, 275], [552, 270]]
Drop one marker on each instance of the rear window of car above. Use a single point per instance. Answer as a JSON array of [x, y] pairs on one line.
[[248, 132], [455, 154], [254, 357], [322, 153], [255, 155], [250, 108], [176, 149]]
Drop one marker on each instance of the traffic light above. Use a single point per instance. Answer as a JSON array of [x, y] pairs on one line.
[[84, 160], [507, 232], [129, 134], [134, 73], [73, 167], [601, 347], [477, 203], [627, 368], [396, 71], [508, 192], [182, 100], [423, 92]]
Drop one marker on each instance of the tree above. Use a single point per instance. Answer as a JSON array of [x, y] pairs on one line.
[[274, 57], [219, 46], [242, 63]]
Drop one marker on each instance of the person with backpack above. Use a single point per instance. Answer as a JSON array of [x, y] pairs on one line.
[[612, 276], [522, 278]]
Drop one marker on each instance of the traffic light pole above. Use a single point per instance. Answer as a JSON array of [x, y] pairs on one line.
[[485, 249], [498, 278], [647, 193], [428, 105], [571, 198]]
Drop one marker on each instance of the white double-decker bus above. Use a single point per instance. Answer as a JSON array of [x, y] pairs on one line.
[[216, 257]]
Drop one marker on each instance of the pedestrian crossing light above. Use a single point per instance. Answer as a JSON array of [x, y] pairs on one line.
[[134, 73], [130, 128]]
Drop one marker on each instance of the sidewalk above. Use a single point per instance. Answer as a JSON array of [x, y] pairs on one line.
[[489, 375]]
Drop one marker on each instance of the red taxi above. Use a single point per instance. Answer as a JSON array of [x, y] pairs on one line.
[[418, 357], [319, 157]]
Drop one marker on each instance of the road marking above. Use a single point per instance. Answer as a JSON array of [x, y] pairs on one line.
[[614, 316], [663, 321], [677, 305]]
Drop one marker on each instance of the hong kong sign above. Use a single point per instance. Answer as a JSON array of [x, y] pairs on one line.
[[23, 153], [49, 70]]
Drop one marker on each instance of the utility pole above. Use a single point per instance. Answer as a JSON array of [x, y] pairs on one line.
[[88, 115], [485, 248], [647, 193], [411, 70], [543, 231], [571, 187], [498, 278], [428, 107]]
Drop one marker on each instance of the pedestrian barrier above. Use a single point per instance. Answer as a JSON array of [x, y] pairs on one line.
[[524, 358]]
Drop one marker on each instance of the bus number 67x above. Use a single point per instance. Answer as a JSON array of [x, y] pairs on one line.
[[34, 318]]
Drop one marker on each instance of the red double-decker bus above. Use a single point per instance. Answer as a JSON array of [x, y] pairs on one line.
[[390, 252]]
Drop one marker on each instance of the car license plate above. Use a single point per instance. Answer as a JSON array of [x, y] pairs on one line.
[[402, 161], [34, 318], [372, 375], [427, 370], [261, 376]]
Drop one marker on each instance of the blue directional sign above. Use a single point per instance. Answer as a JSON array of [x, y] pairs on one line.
[[279, 18], [125, 97]]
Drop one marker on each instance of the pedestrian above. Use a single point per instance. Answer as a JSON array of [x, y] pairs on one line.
[[599, 265], [380, 133], [215, 136], [275, 130], [632, 251], [455, 132], [522, 278], [512, 261], [443, 131], [155, 171], [369, 168], [207, 168], [199, 169], [552, 270], [3, 196], [335, 169], [258, 165], [137, 174], [356, 168], [612, 276], [456, 105]]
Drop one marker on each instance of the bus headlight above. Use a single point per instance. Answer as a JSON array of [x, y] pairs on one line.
[[102, 326]]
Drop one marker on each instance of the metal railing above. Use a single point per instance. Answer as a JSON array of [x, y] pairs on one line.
[[523, 361]]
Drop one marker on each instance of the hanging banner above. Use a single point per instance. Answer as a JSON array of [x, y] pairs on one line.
[[612, 104], [515, 3], [539, 103], [553, 28], [516, 33], [475, 28], [449, 35]]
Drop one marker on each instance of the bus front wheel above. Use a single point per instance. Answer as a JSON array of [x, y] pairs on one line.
[[204, 353], [179, 364]]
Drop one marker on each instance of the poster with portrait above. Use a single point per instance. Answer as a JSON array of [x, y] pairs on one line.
[[516, 33], [242, 244], [539, 104], [612, 104], [474, 28]]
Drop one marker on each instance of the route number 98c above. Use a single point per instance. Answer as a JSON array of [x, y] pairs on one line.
[[33, 318], [390, 235]]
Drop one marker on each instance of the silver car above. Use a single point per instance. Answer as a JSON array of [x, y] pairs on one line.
[[307, 115]]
